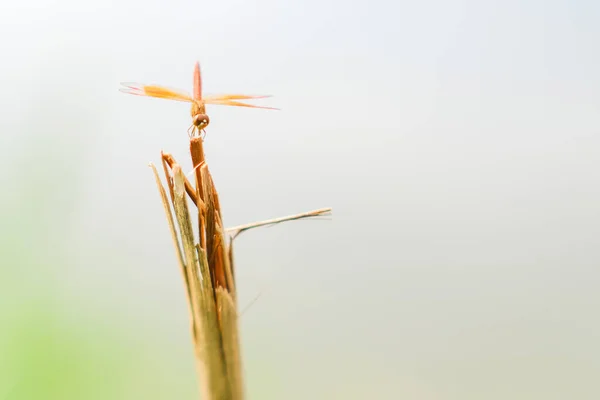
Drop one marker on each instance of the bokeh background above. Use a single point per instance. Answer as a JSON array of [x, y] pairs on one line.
[[458, 142]]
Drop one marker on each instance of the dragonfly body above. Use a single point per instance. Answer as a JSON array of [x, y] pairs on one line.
[[200, 119]]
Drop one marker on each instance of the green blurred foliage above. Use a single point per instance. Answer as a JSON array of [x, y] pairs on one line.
[[51, 348]]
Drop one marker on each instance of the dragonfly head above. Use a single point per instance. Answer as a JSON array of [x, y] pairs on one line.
[[201, 121], [199, 118]]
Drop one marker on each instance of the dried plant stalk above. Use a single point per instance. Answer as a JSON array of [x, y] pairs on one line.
[[206, 265], [196, 272]]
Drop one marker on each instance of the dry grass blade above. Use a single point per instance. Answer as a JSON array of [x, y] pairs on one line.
[[205, 325], [165, 201], [206, 264], [236, 230], [170, 161], [207, 267]]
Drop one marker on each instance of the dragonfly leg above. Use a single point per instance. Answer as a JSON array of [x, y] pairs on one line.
[[191, 130]]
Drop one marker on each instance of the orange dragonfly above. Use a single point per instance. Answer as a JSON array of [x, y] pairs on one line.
[[199, 118]]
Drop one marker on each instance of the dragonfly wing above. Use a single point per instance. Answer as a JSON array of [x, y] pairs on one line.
[[230, 100], [220, 97], [155, 91], [238, 104]]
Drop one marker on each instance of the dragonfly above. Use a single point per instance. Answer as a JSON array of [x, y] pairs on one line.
[[198, 112]]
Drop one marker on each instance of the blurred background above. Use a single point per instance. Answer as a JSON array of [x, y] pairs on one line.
[[457, 141]]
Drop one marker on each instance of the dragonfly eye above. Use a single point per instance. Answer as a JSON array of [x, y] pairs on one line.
[[201, 120]]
